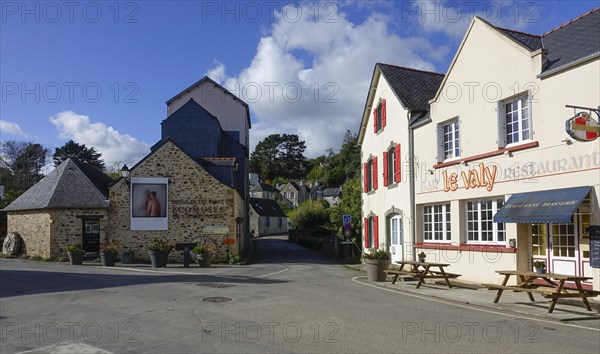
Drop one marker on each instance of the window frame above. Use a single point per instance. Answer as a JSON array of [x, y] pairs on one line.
[[445, 223], [497, 228], [454, 140], [503, 135]]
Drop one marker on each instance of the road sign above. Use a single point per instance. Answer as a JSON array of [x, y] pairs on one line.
[[347, 219], [347, 233]]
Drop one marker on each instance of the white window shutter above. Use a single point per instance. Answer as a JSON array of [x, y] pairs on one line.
[[500, 121]]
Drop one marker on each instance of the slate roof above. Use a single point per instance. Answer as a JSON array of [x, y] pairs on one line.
[[530, 41], [414, 88], [263, 187], [573, 41], [266, 207], [73, 184], [332, 192]]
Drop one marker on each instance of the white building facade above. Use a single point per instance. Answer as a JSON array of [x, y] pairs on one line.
[[498, 182]]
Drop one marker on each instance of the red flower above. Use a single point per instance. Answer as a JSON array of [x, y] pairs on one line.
[[228, 241]]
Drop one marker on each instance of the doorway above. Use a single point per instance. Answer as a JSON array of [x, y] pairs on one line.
[[91, 236], [558, 245], [396, 238]]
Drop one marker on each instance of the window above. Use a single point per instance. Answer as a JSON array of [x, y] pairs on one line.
[[481, 227], [370, 175], [516, 120], [391, 165], [371, 233], [379, 116], [267, 222], [450, 140], [279, 222], [436, 223]]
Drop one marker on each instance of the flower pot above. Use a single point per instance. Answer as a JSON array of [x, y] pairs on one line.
[[204, 259], [540, 270], [76, 258], [376, 269], [159, 259], [108, 258]]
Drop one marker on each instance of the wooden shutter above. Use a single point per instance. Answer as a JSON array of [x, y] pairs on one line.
[[383, 113], [500, 110], [385, 169], [366, 222], [398, 165], [365, 177], [375, 120], [375, 182], [376, 231]]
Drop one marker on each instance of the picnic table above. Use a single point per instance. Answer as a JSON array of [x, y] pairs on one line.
[[551, 285], [422, 271]]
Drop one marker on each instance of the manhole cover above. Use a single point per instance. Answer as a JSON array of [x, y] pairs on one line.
[[216, 285], [217, 299]]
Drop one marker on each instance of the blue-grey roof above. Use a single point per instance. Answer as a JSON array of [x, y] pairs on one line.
[[266, 207], [569, 43], [414, 88], [573, 41], [332, 192], [73, 184], [264, 187]]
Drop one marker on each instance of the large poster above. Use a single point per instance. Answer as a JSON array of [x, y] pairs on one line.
[[149, 203]]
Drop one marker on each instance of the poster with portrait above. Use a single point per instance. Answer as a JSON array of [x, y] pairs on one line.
[[149, 203]]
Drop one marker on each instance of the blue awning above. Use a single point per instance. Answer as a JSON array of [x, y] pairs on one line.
[[556, 205]]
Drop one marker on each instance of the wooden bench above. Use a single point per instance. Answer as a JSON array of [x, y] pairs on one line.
[[397, 273], [547, 286]]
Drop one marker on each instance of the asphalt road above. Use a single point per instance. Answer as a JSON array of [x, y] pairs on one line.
[[293, 300]]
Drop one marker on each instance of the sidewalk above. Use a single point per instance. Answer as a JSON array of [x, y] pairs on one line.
[[473, 294]]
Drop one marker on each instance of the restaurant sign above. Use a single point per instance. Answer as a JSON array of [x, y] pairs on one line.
[[582, 127]]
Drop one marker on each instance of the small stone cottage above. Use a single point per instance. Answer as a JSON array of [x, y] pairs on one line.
[[68, 206]]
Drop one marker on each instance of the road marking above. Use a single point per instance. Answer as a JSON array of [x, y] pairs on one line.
[[266, 275], [67, 348], [426, 297]]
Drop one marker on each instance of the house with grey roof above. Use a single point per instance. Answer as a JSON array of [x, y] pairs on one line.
[[68, 206], [267, 218], [332, 195]]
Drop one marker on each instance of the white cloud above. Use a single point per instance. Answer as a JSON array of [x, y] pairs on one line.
[[310, 76], [217, 73], [113, 145], [11, 128]]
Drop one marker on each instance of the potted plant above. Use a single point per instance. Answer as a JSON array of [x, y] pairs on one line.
[[540, 266], [75, 253], [421, 256], [109, 251], [377, 261], [204, 255], [159, 252]]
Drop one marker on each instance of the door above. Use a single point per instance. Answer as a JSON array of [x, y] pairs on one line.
[[557, 244], [91, 236], [396, 238]]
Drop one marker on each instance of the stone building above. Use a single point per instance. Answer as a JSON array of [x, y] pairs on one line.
[[193, 186], [267, 218], [68, 206]]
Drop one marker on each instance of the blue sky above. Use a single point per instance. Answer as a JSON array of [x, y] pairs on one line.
[[100, 72]]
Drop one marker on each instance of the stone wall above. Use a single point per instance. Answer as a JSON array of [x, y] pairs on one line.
[[34, 228], [67, 227], [196, 200], [46, 233]]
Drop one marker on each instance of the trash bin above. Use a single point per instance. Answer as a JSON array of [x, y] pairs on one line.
[[127, 257]]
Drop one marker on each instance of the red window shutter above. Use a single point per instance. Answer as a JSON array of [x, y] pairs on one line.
[[376, 231], [375, 120], [383, 113], [385, 168], [397, 172], [375, 184], [366, 222], [366, 178]]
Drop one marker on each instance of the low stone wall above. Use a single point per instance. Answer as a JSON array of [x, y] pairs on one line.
[[34, 228]]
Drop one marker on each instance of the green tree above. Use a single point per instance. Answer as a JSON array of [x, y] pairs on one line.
[[279, 156], [23, 163], [311, 215], [80, 152]]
